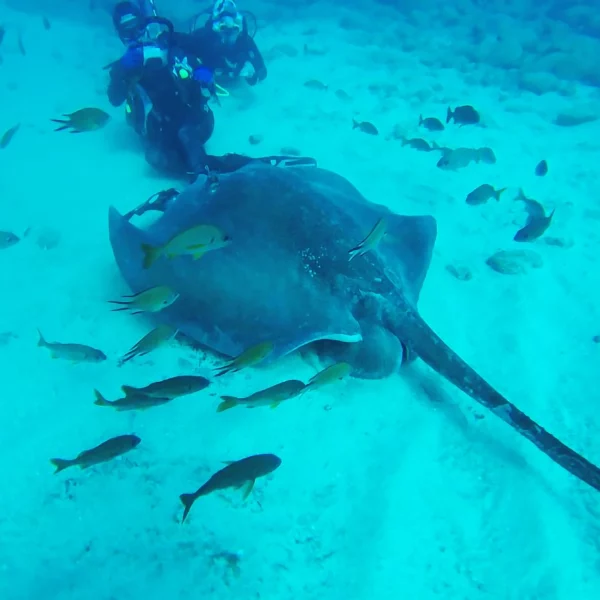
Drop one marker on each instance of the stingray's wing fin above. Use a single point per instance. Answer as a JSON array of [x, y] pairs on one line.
[[407, 251]]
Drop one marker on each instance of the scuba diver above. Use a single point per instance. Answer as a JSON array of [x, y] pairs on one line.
[[166, 90], [226, 47]]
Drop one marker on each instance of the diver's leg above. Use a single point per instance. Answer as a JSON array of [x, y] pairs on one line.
[[192, 138]]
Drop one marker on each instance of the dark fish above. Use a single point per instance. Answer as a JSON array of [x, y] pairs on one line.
[[85, 119], [457, 158], [74, 352], [8, 239], [8, 136], [418, 144], [46, 23], [21, 46], [537, 220], [130, 402], [542, 168], [170, 388], [365, 127], [237, 474], [342, 95], [463, 115], [483, 193], [431, 123], [2, 34], [102, 453], [315, 84], [486, 155]]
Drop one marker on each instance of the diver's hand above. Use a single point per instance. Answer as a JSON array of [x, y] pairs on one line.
[[133, 59], [206, 78], [247, 71]]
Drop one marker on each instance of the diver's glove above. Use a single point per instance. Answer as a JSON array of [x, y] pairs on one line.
[[206, 78], [133, 58]]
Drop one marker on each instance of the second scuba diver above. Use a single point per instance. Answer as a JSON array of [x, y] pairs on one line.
[[166, 89]]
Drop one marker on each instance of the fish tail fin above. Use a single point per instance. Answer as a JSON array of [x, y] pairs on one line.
[[435, 146], [42, 343], [521, 195], [150, 255], [421, 119], [100, 399], [61, 464], [355, 124], [187, 500], [355, 252], [228, 402], [449, 115], [499, 193]]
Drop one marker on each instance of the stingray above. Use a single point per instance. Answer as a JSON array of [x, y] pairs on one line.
[[286, 278]]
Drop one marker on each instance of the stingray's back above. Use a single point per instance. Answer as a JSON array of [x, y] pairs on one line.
[[284, 277]]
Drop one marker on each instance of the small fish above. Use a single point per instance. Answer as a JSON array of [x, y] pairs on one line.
[[343, 95], [130, 402], [84, 119], [537, 220], [250, 357], [458, 158], [46, 23], [151, 300], [371, 241], [315, 84], [74, 352], [431, 123], [8, 239], [542, 168], [483, 193], [272, 396], [486, 155], [8, 136], [196, 242], [365, 127], [463, 115], [102, 453], [331, 374], [237, 474], [21, 45], [149, 342], [418, 144], [181, 385], [2, 33]]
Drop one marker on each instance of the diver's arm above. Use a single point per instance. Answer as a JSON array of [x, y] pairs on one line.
[[254, 57], [118, 86]]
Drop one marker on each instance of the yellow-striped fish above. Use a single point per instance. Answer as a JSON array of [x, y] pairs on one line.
[[331, 374], [151, 300], [248, 358], [195, 242], [149, 342], [74, 352], [272, 396], [371, 241]]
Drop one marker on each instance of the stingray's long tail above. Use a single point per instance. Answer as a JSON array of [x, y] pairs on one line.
[[430, 348]]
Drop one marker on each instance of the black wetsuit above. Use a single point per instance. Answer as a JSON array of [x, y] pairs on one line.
[[227, 61], [171, 114]]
